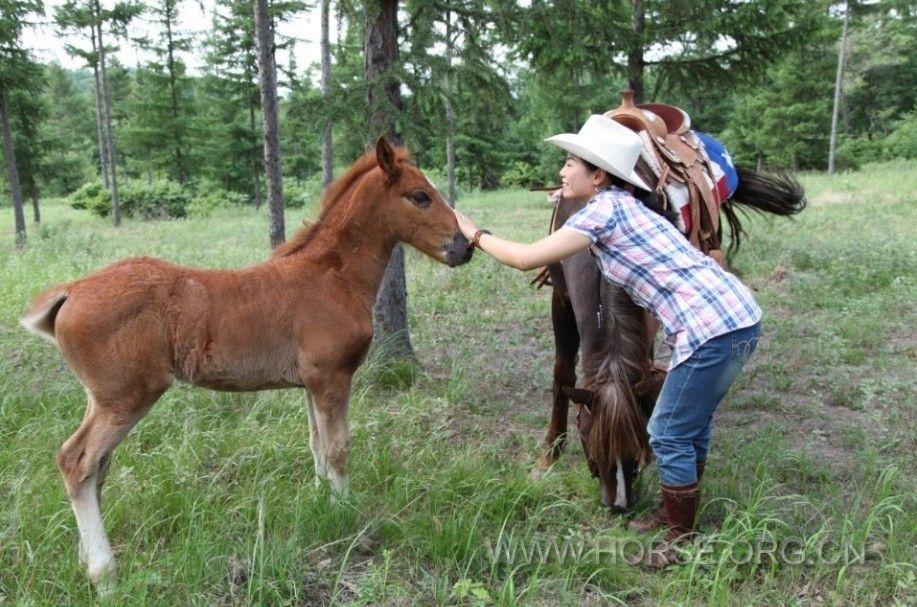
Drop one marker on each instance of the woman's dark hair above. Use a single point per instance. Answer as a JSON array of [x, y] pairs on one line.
[[649, 199]]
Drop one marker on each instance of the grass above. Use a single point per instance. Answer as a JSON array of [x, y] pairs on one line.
[[809, 496]]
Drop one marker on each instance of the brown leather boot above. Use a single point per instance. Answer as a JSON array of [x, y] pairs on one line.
[[657, 518], [681, 509]]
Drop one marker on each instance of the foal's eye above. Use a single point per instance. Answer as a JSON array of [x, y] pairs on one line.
[[420, 198]]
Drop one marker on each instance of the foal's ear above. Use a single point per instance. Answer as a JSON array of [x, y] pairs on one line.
[[385, 156]]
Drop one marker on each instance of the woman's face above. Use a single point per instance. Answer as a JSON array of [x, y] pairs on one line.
[[577, 180]]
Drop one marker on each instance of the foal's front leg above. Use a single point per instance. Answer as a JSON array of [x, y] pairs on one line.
[[331, 395], [315, 442]]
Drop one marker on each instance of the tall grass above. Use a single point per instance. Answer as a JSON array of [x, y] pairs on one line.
[[212, 500]]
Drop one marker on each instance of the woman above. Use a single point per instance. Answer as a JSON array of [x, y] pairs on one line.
[[710, 318]]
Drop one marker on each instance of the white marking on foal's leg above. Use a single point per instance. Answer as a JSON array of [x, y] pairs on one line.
[[334, 446], [94, 547], [340, 486], [621, 490], [315, 443]]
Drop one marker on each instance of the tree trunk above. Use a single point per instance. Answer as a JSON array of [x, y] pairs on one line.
[[635, 61], [383, 100], [10, 153], [450, 151], [450, 114], [269, 120], [380, 59], [838, 85], [33, 194], [327, 143], [181, 171], [97, 90], [107, 126], [255, 172]]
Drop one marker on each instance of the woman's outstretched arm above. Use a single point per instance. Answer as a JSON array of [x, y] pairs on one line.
[[561, 244]]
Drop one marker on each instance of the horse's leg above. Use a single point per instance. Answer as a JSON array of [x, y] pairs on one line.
[[315, 442], [83, 461], [566, 345], [652, 327], [332, 395]]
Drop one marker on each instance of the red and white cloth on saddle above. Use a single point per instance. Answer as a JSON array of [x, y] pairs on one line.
[[722, 182]]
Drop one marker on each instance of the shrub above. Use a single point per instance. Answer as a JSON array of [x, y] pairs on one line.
[[306, 192], [902, 141], [92, 196], [209, 196], [521, 175], [157, 200]]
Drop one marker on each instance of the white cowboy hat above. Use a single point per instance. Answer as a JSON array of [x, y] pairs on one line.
[[606, 144]]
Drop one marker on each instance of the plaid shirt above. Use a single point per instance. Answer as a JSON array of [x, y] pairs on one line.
[[688, 292]]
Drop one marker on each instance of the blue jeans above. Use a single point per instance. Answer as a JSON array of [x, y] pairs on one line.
[[682, 421]]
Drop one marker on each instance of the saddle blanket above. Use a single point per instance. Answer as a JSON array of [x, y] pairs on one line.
[[723, 182]]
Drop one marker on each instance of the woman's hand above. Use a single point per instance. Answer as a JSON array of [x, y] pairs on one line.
[[467, 226]]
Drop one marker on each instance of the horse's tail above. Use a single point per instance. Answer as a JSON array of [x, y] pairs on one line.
[[618, 428], [41, 315], [777, 194]]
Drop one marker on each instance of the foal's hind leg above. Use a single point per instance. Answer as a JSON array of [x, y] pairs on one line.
[[83, 461], [315, 442]]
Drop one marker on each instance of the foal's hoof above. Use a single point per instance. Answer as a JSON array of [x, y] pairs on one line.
[[541, 467], [103, 578], [538, 473]]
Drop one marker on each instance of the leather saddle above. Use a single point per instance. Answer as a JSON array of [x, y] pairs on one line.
[[673, 159]]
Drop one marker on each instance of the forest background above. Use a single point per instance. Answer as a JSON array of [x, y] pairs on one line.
[[154, 120]]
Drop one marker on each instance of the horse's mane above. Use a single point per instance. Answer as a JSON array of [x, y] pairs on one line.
[[333, 197]]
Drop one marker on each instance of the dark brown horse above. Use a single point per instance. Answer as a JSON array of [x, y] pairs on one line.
[[303, 318], [614, 338]]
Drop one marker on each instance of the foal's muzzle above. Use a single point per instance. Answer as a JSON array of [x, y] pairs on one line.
[[458, 251]]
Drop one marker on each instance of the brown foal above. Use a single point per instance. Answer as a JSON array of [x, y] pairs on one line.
[[303, 318]]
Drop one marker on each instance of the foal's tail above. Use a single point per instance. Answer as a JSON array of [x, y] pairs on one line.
[[618, 430], [777, 194], [40, 316]]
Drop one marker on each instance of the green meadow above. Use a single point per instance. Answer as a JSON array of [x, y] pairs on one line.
[[809, 496]]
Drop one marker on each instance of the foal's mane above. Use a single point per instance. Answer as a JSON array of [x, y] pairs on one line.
[[334, 197]]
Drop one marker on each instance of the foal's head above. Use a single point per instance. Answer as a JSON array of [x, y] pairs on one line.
[[413, 211]]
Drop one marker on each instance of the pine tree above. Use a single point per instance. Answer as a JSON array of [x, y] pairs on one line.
[[327, 121], [28, 113], [67, 131], [228, 129], [267, 81], [89, 18], [17, 69], [158, 120], [383, 102], [302, 133]]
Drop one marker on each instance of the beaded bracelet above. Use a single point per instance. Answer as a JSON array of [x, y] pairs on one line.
[[475, 242]]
